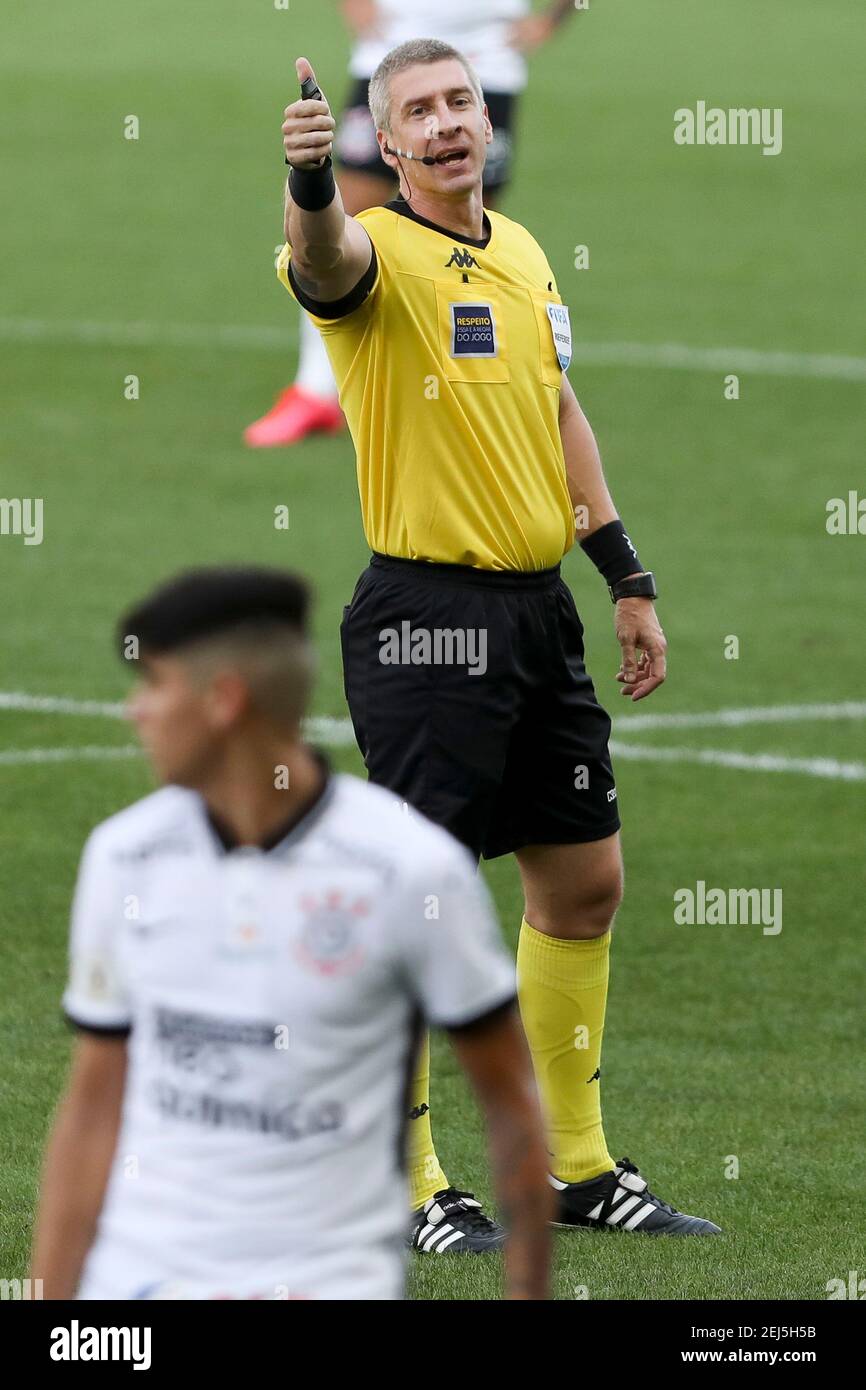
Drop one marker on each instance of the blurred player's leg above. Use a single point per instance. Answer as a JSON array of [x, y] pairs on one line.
[[502, 109], [314, 373], [311, 405]]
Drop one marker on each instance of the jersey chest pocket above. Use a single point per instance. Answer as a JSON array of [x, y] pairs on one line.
[[554, 336], [473, 341]]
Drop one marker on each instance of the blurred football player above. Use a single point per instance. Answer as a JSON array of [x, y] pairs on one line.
[[254, 949]]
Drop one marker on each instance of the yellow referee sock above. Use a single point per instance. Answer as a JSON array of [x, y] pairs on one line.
[[425, 1174], [562, 986]]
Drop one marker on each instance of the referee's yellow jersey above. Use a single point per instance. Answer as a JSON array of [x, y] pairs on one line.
[[449, 358]]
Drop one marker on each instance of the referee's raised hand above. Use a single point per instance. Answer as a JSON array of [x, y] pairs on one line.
[[330, 252], [308, 126]]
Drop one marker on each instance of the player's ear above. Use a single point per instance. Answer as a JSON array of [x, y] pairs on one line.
[[228, 698], [488, 126]]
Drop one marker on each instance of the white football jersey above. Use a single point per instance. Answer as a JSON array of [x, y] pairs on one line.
[[273, 999], [478, 28]]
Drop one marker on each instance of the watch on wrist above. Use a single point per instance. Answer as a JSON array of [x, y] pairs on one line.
[[639, 586]]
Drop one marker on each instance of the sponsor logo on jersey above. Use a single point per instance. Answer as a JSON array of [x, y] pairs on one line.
[[473, 331], [463, 260], [206, 1046], [291, 1121], [182, 1025]]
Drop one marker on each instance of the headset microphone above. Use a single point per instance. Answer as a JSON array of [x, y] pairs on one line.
[[420, 158]]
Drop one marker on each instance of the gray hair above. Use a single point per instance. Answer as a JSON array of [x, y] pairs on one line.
[[406, 55]]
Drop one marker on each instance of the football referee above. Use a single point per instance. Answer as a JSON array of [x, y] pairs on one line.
[[462, 648]]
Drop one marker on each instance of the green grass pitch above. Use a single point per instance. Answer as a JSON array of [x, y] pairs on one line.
[[721, 1041]]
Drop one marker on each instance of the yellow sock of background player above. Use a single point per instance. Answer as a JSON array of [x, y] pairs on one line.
[[562, 987], [425, 1174]]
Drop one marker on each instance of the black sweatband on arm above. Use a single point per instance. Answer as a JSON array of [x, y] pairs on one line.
[[313, 189], [612, 553]]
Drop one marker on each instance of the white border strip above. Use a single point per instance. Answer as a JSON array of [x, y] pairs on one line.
[[265, 338]]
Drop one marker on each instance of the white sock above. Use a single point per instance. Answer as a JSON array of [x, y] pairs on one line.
[[314, 370]]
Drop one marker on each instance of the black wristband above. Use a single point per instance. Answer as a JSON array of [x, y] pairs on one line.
[[313, 189], [612, 553]]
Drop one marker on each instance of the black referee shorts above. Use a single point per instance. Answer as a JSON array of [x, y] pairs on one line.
[[356, 147], [470, 700]]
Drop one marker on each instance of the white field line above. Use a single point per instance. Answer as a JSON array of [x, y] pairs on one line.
[[679, 357], [59, 704], [10, 757], [747, 762], [736, 718], [625, 723], [261, 337], [335, 732], [87, 333]]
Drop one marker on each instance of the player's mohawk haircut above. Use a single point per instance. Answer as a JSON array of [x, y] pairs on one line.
[[204, 602], [407, 55]]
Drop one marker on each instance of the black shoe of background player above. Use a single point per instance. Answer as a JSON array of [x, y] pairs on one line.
[[621, 1201], [452, 1223]]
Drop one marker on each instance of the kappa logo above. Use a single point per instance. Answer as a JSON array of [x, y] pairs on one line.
[[464, 260]]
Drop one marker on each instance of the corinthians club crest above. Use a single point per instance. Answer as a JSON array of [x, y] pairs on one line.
[[328, 940]]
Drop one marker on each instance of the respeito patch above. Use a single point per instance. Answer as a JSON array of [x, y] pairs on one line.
[[473, 331]]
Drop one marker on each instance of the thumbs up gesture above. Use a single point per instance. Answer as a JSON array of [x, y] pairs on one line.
[[308, 126]]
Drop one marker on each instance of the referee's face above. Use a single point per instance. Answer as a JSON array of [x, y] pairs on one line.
[[181, 721], [435, 112]]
